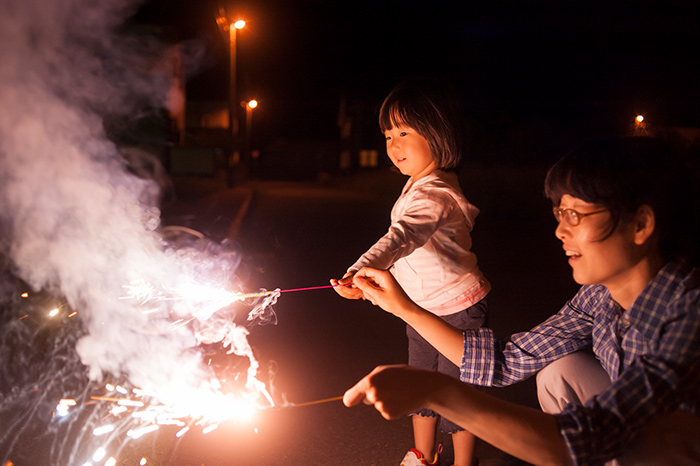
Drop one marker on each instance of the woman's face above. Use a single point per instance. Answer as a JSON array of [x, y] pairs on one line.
[[609, 262]]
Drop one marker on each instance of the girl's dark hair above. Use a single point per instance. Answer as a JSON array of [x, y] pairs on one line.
[[626, 173], [431, 109]]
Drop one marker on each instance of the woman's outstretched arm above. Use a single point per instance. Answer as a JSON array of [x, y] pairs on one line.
[[525, 433], [381, 289]]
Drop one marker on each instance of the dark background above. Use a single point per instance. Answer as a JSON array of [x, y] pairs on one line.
[[575, 66]]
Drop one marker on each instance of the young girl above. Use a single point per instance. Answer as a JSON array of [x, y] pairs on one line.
[[428, 245], [618, 367]]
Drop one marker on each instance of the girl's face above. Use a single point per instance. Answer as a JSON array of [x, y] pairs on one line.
[[609, 262], [409, 151]]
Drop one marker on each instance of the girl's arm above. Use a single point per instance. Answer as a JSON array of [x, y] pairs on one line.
[[381, 289], [421, 215], [523, 432]]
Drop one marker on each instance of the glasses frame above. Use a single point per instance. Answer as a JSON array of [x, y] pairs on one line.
[[560, 213]]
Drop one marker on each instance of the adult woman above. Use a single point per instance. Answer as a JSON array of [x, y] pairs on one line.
[[625, 212]]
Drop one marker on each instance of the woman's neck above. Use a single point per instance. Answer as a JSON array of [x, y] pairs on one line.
[[627, 288]]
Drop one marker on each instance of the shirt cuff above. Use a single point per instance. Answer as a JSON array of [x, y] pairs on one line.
[[478, 358], [573, 430]]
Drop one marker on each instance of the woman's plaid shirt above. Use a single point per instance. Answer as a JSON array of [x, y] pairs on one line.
[[651, 352]]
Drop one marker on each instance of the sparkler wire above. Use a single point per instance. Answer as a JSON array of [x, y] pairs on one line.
[[325, 400]]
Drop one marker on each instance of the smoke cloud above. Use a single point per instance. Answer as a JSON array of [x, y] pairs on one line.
[[75, 221]]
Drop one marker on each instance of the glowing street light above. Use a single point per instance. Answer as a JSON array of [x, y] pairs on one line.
[[639, 119]]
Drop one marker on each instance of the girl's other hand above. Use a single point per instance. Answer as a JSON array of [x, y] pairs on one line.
[[345, 287]]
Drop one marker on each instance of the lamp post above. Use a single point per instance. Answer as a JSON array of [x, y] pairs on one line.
[[234, 156]]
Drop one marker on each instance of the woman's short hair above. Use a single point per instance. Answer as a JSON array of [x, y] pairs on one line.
[[431, 109], [624, 174]]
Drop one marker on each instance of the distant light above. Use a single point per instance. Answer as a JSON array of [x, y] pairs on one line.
[[253, 103], [240, 24], [640, 118]]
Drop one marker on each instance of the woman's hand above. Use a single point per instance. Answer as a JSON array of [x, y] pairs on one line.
[[380, 287], [394, 390], [345, 287]]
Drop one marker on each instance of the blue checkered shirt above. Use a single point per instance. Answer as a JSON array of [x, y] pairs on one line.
[[651, 352]]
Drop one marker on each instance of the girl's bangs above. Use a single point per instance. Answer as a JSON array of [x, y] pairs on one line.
[[393, 116]]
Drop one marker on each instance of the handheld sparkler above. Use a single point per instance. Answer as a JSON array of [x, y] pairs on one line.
[[264, 293], [316, 402]]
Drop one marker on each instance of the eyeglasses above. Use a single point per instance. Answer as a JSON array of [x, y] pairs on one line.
[[572, 217]]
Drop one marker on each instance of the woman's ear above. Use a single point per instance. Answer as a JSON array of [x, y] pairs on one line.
[[644, 224]]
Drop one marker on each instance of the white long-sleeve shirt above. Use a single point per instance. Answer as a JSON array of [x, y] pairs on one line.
[[428, 246]]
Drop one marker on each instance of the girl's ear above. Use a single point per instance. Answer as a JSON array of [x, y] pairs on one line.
[[644, 224]]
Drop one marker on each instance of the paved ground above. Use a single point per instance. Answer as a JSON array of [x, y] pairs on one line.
[[302, 234]]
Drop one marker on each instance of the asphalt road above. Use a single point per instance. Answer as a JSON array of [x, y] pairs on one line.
[[295, 235]]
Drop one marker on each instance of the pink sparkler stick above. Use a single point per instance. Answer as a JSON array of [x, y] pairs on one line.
[[309, 288], [263, 293]]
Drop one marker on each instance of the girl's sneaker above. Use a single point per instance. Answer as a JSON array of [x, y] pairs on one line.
[[415, 458]]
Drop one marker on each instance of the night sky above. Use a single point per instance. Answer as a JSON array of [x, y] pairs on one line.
[[563, 62]]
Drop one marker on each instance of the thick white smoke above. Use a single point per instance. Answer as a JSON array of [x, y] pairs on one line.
[[74, 219]]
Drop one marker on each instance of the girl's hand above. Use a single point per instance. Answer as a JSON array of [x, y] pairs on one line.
[[345, 287], [393, 390], [380, 287]]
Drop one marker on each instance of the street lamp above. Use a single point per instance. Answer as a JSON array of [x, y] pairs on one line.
[[233, 113], [234, 155]]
